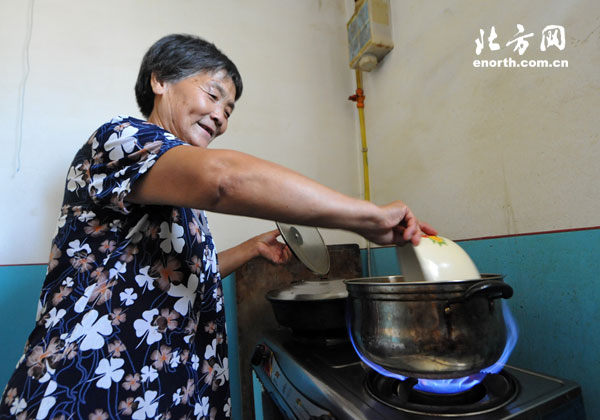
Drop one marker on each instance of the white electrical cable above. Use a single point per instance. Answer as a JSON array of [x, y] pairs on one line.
[[23, 85]]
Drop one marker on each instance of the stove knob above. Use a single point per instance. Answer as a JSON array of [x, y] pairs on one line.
[[261, 353]]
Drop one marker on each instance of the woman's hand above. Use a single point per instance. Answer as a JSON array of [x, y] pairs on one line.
[[397, 226], [271, 249], [264, 245]]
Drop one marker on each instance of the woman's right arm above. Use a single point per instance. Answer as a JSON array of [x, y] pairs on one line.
[[226, 181]]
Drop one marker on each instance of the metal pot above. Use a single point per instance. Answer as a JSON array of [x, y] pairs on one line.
[[310, 307], [428, 329]]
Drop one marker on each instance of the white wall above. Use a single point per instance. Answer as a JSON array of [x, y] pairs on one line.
[[83, 61], [476, 152], [487, 151]]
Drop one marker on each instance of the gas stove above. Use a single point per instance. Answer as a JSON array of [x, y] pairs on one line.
[[323, 378]]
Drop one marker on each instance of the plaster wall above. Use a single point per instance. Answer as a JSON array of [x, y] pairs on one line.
[[68, 66], [487, 151]]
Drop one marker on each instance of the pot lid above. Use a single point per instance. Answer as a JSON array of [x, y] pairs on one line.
[[307, 245], [311, 290]]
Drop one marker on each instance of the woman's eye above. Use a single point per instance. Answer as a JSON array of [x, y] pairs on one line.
[[210, 95]]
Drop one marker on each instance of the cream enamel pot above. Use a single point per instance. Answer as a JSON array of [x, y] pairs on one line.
[[430, 330]]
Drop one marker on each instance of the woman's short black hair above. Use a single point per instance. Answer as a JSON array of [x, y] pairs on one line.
[[175, 57]]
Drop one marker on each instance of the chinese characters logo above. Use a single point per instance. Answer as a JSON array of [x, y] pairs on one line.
[[552, 36]]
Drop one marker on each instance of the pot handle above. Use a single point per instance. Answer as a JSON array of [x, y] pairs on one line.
[[492, 289]]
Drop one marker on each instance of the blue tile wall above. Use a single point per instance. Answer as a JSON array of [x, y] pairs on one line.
[[20, 287]]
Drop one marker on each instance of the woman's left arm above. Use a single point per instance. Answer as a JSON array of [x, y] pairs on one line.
[[265, 245]]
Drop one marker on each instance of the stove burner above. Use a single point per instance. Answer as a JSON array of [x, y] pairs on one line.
[[494, 392]]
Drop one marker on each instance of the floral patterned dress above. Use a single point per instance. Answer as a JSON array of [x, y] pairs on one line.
[[130, 320]]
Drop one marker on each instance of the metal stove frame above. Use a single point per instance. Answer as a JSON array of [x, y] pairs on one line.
[[295, 382]]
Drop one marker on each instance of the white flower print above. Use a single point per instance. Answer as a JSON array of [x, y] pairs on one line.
[[91, 331], [177, 396], [121, 172], [85, 298], [144, 279], [76, 246], [136, 232], [201, 216], [171, 238], [211, 259], [68, 282], [122, 187], [60, 223], [120, 268], [227, 407], [151, 160], [18, 405], [202, 409], [121, 141], [187, 294], [75, 178], [218, 298], [175, 359], [146, 406], [86, 216], [97, 183], [195, 362], [128, 296], [211, 349], [149, 374], [222, 372], [109, 369], [49, 372], [115, 225], [40, 311], [54, 317], [47, 402], [143, 327]]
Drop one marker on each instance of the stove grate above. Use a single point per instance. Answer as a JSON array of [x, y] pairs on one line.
[[494, 392]]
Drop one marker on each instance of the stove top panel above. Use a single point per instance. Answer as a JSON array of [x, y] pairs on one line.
[[329, 382]]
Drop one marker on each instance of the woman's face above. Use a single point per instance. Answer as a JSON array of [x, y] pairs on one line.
[[195, 109]]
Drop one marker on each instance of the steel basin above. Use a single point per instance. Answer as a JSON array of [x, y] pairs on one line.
[[428, 329]]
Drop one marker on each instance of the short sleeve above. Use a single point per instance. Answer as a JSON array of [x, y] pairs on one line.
[[121, 152]]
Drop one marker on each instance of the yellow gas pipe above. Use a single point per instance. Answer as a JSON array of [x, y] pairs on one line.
[[359, 98]]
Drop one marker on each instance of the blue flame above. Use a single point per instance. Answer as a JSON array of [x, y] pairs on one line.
[[455, 385]]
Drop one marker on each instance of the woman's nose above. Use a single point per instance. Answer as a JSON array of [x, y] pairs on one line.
[[218, 116]]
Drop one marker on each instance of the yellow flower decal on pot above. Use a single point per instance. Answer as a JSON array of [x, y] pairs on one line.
[[437, 240]]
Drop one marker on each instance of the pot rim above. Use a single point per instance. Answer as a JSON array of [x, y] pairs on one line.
[[310, 291], [392, 281], [393, 287]]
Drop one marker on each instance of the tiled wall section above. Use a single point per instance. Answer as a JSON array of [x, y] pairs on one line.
[[556, 279], [556, 302]]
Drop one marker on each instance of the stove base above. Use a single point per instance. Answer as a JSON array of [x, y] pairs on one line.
[[329, 382]]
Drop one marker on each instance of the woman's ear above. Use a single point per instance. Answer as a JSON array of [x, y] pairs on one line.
[[158, 86]]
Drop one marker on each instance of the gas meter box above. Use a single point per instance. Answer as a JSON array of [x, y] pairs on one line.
[[369, 34]]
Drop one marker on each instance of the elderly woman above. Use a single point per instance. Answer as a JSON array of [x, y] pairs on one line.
[[131, 320]]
